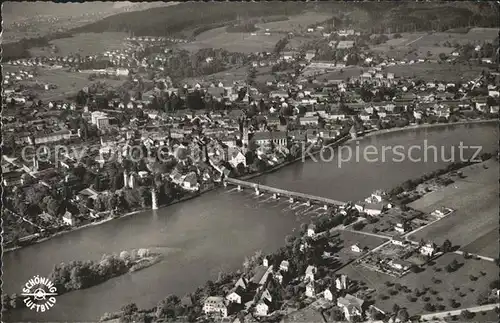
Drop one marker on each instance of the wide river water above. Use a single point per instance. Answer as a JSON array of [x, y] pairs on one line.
[[215, 231]]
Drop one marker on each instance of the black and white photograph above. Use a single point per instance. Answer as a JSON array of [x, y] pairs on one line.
[[250, 161]]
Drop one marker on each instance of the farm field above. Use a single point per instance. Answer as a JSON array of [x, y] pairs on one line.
[[474, 224], [234, 74], [84, 44], [295, 23], [233, 42], [67, 83], [346, 73], [445, 289], [425, 44], [436, 71], [247, 43]]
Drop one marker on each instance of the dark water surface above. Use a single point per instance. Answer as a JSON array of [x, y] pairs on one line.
[[216, 231]]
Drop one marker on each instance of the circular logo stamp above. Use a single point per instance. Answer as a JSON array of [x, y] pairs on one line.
[[39, 294]]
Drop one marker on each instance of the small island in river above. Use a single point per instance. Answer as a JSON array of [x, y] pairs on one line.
[[77, 275]]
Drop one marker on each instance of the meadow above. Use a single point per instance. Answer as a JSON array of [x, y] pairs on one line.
[[442, 285], [67, 83], [85, 44], [474, 224], [430, 45], [434, 71]]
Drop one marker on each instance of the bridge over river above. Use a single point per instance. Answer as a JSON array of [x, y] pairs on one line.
[[281, 192]]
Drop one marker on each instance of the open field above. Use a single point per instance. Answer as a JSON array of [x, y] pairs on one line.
[[295, 23], [423, 43], [474, 224], [246, 43], [85, 44], [350, 238], [436, 71], [306, 314], [234, 74], [445, 289], [343, 74], [480, 317], [233, 42], [67, 83]]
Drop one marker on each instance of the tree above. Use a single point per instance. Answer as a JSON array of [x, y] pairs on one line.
[[403, 315], [429, 307], [15, 301], [466, 314], [129, 309], [442, 56], [446, 247], [53, 207], [395, 308], [5, 302]]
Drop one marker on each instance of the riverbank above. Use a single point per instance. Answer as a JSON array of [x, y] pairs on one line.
[[301, 158], [426, 126], [345, 139], [110, 218], [91, 273]]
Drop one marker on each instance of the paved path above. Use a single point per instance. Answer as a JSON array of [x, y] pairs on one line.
[[475, 309], [474, 255]]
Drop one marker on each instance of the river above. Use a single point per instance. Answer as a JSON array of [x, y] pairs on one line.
[[215, 231]]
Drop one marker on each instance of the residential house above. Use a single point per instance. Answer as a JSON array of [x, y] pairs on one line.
[[311, 121], [429, 249], [356, 248], [12, 178], [235, 295], [44, 138], [402, 227], [241, 282], [87, 193], [284, 265], [215, 305], [310, 54], [374, 209], [481, 105], [190, 182], [310, 272], [352, 307], [341, 282], [311, 230], [69, 219], [261, 275], [265, 138], [262, 308], [401, 265], [238, 158], [328, 294], [310, 289], [398, 241]]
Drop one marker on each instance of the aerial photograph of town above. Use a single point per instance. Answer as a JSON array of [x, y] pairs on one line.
[[265, 161]]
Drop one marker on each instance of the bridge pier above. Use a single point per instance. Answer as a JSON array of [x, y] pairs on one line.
[[239, 188], [257, 192], [291, 200]]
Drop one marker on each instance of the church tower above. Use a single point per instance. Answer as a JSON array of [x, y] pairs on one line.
[[154, 201]]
